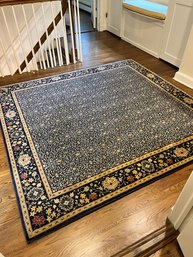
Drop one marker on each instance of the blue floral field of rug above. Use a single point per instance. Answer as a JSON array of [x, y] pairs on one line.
[[80, 140]]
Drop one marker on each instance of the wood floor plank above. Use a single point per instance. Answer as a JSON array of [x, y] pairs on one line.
[[170, 250], [116, 226]]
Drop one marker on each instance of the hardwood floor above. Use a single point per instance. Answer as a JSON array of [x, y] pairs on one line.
[[85, 21], [170, 250], [116, 226]]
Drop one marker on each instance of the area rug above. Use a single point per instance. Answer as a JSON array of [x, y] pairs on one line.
[[80, 140]]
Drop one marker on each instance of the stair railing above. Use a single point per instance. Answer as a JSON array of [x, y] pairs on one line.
[[38, 34]]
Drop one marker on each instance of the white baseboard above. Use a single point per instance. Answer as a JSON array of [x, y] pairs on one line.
[[184, 79], [102, 27]]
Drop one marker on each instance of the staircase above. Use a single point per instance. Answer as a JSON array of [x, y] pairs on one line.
[[33, 35]]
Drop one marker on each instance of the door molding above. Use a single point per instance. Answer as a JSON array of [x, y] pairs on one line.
[[183, 204]]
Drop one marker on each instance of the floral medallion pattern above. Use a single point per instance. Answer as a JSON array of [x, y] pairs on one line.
[[41, 213]]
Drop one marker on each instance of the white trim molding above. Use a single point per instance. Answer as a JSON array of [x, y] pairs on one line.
[[183, 205], [181, 217], [184, 79]]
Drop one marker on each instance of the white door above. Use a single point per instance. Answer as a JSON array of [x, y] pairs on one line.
[[114, 16]]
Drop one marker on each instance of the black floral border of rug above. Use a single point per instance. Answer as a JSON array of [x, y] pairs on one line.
[[41, 213]]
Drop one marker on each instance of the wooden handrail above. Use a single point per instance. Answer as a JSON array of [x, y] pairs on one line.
[[15, 2], [44, 36]]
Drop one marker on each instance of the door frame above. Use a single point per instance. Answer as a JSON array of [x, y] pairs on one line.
[[183, 204], [101, 10], [94, 13]]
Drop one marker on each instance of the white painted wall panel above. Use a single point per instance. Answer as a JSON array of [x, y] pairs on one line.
[[114, 16], [177, 29], [143, 32]]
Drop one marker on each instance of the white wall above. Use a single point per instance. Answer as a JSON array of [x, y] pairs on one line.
[[86, 5], [187, 61], [87, 2]]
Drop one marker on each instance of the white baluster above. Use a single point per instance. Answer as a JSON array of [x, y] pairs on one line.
[[30, 40], [6, 59], [79, 31], [39, 36], [58, 33], [49, 48], [71, 32], [56, 36], [10, 40], [20, 40], [76, 29], [65, 40]]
